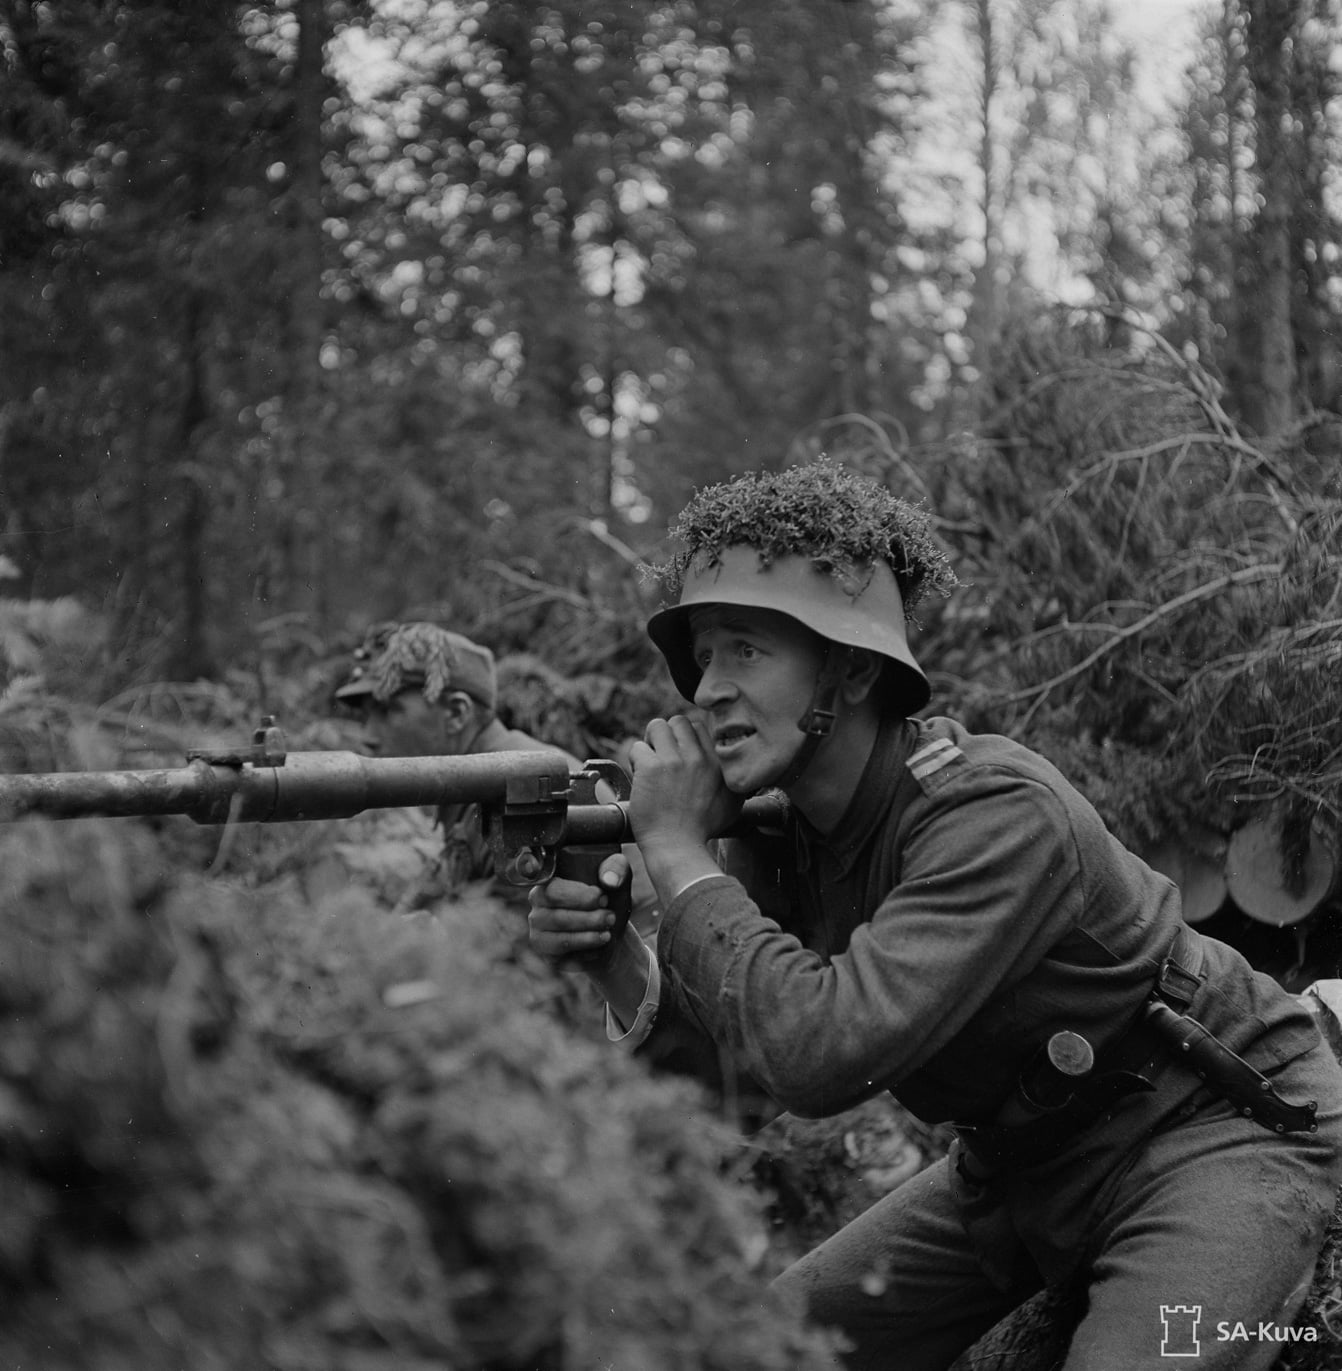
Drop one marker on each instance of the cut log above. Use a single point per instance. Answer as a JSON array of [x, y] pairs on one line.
[[1195, 862], [1256, 878]]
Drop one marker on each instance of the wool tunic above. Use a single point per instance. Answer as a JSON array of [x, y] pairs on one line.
[[969, 904]]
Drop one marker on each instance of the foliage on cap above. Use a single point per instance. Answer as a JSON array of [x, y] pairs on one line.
[[842, 522], [404, 655]]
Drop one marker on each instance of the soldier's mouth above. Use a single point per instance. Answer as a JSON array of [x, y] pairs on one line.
[[726, 739]]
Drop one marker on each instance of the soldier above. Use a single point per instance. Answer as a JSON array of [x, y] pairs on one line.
[[942, 910], [424, 691]]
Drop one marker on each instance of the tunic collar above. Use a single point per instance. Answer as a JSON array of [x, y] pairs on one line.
[[872, 800]]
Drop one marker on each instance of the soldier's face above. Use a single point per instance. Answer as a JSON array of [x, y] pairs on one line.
[[406, 726], [759, 671]]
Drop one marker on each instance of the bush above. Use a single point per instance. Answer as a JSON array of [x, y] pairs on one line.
[[237, 1129]]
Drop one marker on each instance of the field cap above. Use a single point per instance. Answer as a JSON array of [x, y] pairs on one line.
[[423, 656]]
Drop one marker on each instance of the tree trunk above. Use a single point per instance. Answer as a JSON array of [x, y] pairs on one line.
[[1271, 23], [1241, 363], [986, 310], [191, 657], [306, 192], [304, 304]]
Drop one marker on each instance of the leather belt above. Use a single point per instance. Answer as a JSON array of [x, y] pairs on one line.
[[1161, 1030]]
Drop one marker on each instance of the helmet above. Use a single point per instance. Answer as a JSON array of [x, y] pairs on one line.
[[396, 657], [863, 609]]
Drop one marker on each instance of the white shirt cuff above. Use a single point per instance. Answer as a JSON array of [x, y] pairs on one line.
[[637, 1031], [707, 876]]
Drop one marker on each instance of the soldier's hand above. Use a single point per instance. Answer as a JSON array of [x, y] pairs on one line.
[[679, 797], [570, 916]]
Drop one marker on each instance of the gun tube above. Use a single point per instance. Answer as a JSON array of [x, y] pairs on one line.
[[335, 785], [310, 785]]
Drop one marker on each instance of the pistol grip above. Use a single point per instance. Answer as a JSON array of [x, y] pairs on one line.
[[583, 864]]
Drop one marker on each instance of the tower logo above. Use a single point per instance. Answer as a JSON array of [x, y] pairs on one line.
[[1180, 1338]]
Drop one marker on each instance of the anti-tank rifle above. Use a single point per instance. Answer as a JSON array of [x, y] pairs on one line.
[[539, 819]]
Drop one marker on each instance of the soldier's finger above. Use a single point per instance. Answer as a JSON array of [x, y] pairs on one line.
[[614, 871], [564, 894], [557, 919], [659, 734], [702, 733], [689, 735], [556, 945]]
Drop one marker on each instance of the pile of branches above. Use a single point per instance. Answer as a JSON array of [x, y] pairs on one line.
[[1149, 597], [583, 614]]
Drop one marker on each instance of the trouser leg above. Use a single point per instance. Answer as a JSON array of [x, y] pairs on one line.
[[902, 1282], [1211, 1239]]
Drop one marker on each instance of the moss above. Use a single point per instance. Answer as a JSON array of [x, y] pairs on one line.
[[841, 521]]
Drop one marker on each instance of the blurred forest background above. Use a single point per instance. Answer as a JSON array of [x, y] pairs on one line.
[[315, 313], [316, 309]]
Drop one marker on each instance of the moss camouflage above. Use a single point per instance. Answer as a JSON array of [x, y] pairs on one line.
[[397, 657]]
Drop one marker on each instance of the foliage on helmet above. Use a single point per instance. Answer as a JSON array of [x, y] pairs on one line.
[[842, 522], [414, 654]]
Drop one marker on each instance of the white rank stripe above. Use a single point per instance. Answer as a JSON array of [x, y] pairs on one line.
[[933, 757]]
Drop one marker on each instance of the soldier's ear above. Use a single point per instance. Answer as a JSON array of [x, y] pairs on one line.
[[860, 671], [458, 711]]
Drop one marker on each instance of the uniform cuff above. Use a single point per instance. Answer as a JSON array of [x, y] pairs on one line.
[[631, 1037]]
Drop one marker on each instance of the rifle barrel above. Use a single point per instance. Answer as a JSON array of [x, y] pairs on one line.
[[76, 794], [309, 785], [339, 785]]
